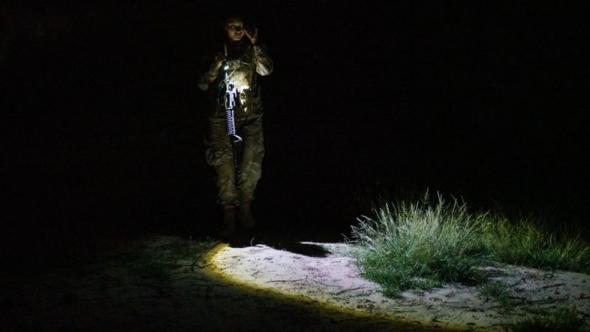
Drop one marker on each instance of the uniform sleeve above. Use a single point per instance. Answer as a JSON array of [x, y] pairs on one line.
[[209, 76], [264, 64]]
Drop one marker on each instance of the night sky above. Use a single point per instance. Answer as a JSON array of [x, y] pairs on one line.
[[105, 123]]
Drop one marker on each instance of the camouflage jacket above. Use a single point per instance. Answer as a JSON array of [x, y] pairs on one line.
[[243, 63]]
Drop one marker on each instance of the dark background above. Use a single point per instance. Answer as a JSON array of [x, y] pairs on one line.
[[105, 123]]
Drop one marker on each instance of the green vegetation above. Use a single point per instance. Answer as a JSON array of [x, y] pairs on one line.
[[160, 262], [526, 244], [424, 244], [563, 319], [498, 291]]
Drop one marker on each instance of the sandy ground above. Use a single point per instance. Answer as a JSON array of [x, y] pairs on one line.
[[334, 279], [172, 284]]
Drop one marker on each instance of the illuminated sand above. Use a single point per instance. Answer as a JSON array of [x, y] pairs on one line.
[[335, 280]]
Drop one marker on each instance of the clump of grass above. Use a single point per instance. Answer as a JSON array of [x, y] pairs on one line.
[[418, 245], [149, 268], [564, 319], [498, 291], [159, 263], [524, 243], [425, 244]]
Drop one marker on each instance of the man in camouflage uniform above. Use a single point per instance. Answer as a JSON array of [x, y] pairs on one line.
[[241, 61]]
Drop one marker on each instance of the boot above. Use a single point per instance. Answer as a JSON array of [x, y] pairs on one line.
[[228, 225], [245, 216]]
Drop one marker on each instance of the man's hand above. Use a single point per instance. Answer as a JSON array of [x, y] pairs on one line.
[[219, 59], [253, 37]]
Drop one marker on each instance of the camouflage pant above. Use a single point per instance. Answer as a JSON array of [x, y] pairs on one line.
[[220, 155]]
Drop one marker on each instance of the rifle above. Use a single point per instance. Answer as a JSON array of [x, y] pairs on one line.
[[230, 98], [231, 95]]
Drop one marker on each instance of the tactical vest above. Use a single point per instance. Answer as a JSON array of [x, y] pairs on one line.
[[239, 69]]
